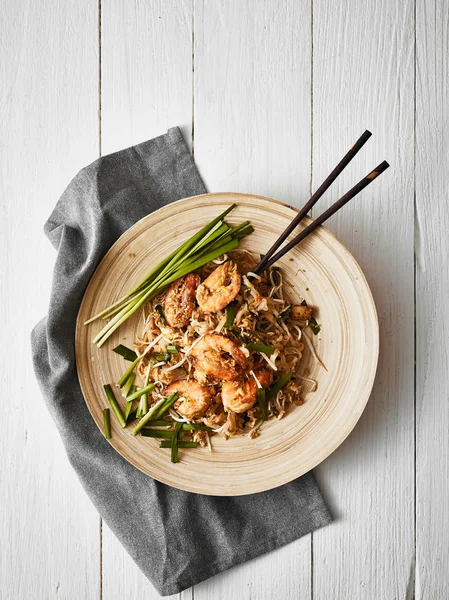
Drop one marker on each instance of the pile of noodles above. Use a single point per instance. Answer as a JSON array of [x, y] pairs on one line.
[[262, 315]]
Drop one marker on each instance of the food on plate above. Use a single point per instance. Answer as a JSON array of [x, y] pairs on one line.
[[228, 343], [219, 349]]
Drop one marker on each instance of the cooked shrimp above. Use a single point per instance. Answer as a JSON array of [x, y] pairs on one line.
[[301, 313], [180, 300], [194, 398], [239, 396], [220, 288], [218, 356]]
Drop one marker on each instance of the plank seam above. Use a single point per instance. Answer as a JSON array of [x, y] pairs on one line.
[[193, 79], [100, 153], [99, 77], [311, 212], [411, 591]]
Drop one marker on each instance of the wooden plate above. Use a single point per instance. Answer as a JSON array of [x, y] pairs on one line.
[[321, 270]]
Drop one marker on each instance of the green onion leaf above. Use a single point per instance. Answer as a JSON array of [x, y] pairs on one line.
[[186, 266], [127, 353], [260, 348], [160, 310], [114, 405], [174, 443], [127, 388], [107, 423], [195, 427], [172, 349], [159, 423], [127, 412], [165, 406], [124, 378], [167, 444], [262, 401], [160, 357], [156, 412], [230, 315], [274, 389], [157, 433], [314, 326], [131, 417], [140, 392]]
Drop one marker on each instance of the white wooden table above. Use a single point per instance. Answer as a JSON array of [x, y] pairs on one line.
[[270, 94]]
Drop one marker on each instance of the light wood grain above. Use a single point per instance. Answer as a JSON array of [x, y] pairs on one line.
[[146, 70], [48, 130], [432, 291], [253, 97], [146, 87], [253, 84], [363, 78]]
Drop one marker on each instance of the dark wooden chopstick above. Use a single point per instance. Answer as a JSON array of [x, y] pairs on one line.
[[314, 198], [327, 213]]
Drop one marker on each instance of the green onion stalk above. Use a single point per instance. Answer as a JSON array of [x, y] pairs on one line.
[[213, 240], [174, 443], [114, 405], [181, 444], [262, 401], [156, 412], [260, 348], [107, 423], [280, 383]]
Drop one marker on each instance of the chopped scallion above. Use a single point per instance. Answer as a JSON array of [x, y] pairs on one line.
[[262, 401], [314, 326], [127, 412], [129, 385], [195, 427], [174, 443], [156, 412], [160, 310], [157, 433], [260, 348], [127, 353], [107, 423], [181, 444], [279, 384], [141, 392], [168, 403], [114, 404], [124, 378], [230, 315], [160, 357], [159, 423], [131, 417]]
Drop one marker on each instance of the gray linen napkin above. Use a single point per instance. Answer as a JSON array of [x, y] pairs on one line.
[[176, 538]]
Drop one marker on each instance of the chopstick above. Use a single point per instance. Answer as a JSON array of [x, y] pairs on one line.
[[315, 197], [327, 213]]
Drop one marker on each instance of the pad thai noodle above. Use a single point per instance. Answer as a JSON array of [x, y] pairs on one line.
[[229, 343]]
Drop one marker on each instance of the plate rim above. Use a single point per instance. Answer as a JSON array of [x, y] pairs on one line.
[[374, 330]]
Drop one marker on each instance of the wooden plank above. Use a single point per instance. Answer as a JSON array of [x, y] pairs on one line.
[[146, 88], [363, 77], [252, 102], [48, 129], [146, 71], [432, 290], [253, 97]]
